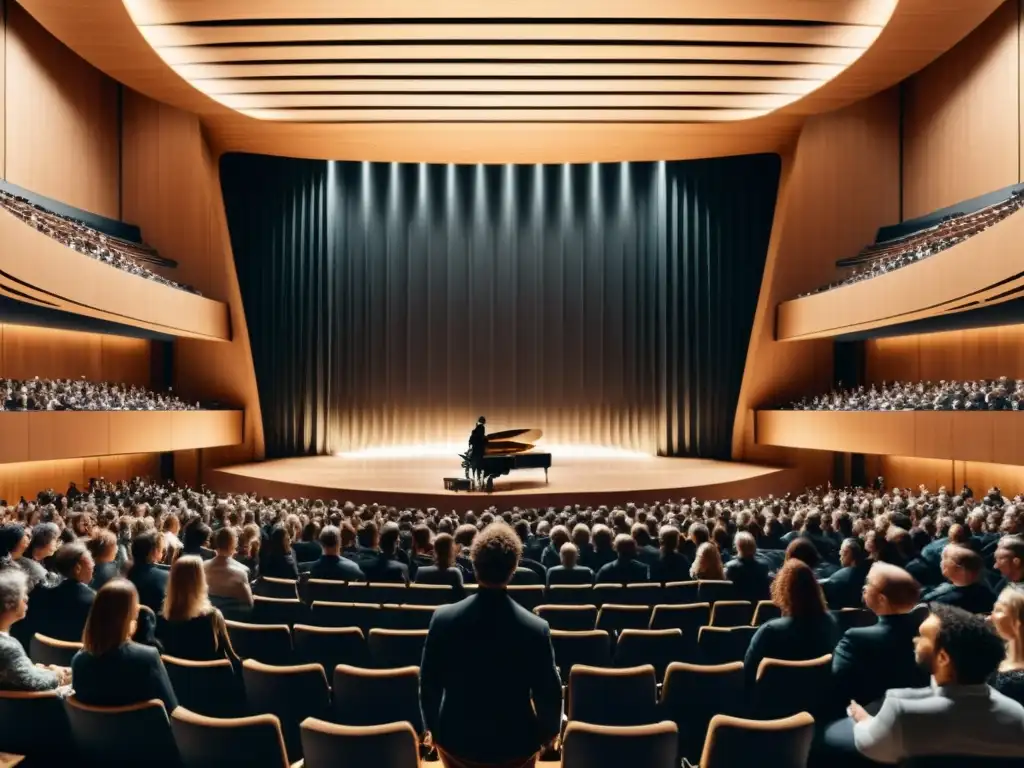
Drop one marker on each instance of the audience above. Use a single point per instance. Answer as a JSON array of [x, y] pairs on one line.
[[43, 542], [226, 577], [966, 588], [17, 673], [60, 612], [1001, 394], [445, 571], [111, 670], [384, 567], [331, 565], [625, 568], [1008, 621], [81, 395], [103, 547], [1009, 560], [671, 564], [189, 626], [277, 561], [746, 572], [707, 563], [149, 580], [570, 571], [843, 589]]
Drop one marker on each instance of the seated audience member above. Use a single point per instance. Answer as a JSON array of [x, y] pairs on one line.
[[812, 530], [671, 564], [17, 672], [248, 553], [445, 572], [806, 629], [170, 528], [43, 543], [803, 549], [844, 588], [958, 715], [1009, 560], [965, 571], [422, 553], [190, 627], [581, 538], [386, 568], [707, 564], [226, 578], [1008, 621], [331, 565], [870, 660], [646, 552], [748, 574], [60, 612], [111, 670], [367, 541], [551, 554], [307, 548], [277, 561], [697, 534], [14, 540], [195, 538], [604, 547], [149, 580], [625, 569], [570, 572], [505, 645], [103, 546]]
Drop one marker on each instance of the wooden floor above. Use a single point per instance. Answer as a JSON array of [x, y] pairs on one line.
[[417, 482]]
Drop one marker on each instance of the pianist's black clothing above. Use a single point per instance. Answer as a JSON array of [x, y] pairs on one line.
[[477, 442]]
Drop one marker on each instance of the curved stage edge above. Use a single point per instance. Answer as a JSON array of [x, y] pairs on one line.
[[417, 482]]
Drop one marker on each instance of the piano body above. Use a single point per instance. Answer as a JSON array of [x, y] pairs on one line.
[[507, 451]]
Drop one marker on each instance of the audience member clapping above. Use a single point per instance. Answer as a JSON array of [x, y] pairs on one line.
[[81, 395]]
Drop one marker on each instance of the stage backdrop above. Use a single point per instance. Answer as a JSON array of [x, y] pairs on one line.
[[393, 304]]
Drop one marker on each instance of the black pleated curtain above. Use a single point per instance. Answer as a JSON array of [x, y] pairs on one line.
[[606, 304]]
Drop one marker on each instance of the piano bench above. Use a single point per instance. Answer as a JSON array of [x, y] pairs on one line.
[[457, 484]]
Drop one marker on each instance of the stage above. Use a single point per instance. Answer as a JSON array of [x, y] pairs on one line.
[[417, 482]]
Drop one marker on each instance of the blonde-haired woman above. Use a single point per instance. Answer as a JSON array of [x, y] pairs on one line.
[[1008, 620], [708, 563], [189, 626]]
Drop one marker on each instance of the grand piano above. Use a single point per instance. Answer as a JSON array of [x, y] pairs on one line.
[[507, 451]]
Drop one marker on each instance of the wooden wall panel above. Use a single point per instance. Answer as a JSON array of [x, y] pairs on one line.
[[28, 351], [172, 190], [840, 183], [962, 127], [28, 479], [61, 120], [981, 353], [910, 472]]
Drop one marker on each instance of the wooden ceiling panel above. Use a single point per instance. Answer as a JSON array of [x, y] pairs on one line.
[[501, 115]]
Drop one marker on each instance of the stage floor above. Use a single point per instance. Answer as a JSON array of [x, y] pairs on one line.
[[417, 482]]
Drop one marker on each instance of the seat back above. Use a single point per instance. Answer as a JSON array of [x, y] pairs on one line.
[[657, 647], [784, 688], [644, 594], [570, 594], [271, 644], [327, 591], [608, 593], [429, 594], [592, 649], [209, 688], [615, 618], [291, 693], [387, 593], [35, 724], [688, 617], [48, 650], [136, 735], [732, 613], [720, 645], [391, 745], [568, 618], [612, 696], [406, 616], [278, 610], [848, 618], [693, 694], [377, 696], [962, 761], [585, 745], [391, 648], [765, 611], [711, 591], [681, 592], [733, 741], [366, 616], [330, 646], [206, 742], [527, 595], [266, 586]]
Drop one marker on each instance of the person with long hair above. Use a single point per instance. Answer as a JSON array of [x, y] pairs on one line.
[[278, 560], [445, 571], [248, 553], [1008, 621], [44, 542], [150, 580], [707, 564], [111, 670], [189, 626], [806, 629], [103, 546]]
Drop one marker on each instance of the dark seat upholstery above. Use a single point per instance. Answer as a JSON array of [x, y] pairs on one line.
[[206, 742], [137, 735], [285, 589], [784, 688], [733, 741], [592, 649], [732, 613], [720, 645], [765, 611], [326, 745], [290, 693], [613, 696], [210, 688], [568, 618], [377, 696], [35, 724], [391, 648], [570, 594], [366, 616], [278, 610], [330, 646], [693, 694], [657, 647], [47, 650], [600, 746], [615, 618], [267, 643]]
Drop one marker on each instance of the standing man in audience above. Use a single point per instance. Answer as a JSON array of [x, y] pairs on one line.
[[748, 574], [964, 569], [518, 712], [227, 578]]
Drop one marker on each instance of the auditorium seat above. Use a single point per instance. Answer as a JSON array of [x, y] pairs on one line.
[[592, 649], [362, 615], [720, 645], [604, 696], [330, 646], [568, 618], [732, 613], [615, 618], [711, 591], [644, 594], [391, 745], [527, 595], [657, 647], [209, 688], [785, 688], [327, 591], [278, 610], [271, 644], [290, 693], [765, 611], [385, 593], [377, 696], [733, 741], [586, 745], [429, 594], [286, 589], [681, 592], [692, 694], [571, 594], [136, 735], [608, 593], [35, 724], [208, 742], [689, 618], [392, 648], [358, 592], [849, 618], [47, 650], [406, 616]]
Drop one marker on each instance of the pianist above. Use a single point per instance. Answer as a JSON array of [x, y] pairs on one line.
[[477, 448]]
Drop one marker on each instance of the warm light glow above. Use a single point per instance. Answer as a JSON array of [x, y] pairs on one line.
[[436, 450]]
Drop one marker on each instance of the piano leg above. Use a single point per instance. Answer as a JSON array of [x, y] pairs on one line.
[[545, 475]]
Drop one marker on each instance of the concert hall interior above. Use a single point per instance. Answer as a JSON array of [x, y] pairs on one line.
[[382, 264]]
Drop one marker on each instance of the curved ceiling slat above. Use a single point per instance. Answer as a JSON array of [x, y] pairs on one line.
[[503, 115]]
